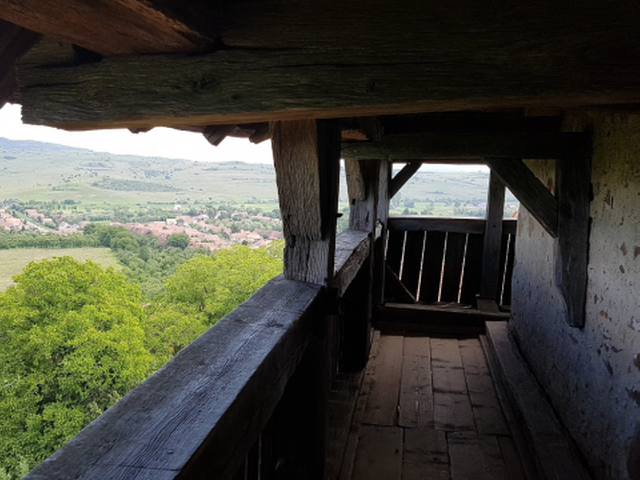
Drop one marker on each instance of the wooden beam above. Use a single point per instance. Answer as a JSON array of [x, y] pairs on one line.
[[352, 250], [14, 42], [306, 157], [529, 190], [472, 145], [402, 177], [124, 27], [574, 187], [292, 60], [446, 224], [489, 279]]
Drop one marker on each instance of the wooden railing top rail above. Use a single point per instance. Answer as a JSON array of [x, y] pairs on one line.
[[200, 414], [208, 403], [413, 223]]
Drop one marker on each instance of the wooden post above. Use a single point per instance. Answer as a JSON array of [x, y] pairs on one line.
[[574, 185], [306, 155], [492, 242], [363, 187], [382, 215]]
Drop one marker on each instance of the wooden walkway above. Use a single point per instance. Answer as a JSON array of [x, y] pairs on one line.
[[427, 409]]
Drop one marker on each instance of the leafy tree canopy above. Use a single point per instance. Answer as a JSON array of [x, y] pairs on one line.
[[73, 344]]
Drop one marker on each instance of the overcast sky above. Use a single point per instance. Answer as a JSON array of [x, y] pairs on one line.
[[159, 142]]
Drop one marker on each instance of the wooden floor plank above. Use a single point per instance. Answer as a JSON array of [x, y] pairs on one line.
[[452, 412], [379, 453], [425, 446], [434, 471], [445, 353], [487, 412], [449, 380], [473, 359], [475, 457], [382, 404], [348, 459], [416, 399]]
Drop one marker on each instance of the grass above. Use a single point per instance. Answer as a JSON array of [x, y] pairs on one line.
[[13, 261]]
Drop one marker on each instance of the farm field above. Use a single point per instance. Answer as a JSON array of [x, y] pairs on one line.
[[14, 260]]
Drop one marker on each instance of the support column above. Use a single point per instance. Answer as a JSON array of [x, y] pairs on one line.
[[489, 280], [306, 156]]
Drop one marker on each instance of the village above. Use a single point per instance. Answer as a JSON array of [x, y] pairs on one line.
[[213, 233]]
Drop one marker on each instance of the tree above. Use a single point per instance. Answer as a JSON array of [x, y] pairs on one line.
[[216, 285], [178, 240], [73, 344]]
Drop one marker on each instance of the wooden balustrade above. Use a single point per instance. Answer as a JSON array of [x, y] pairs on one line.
[[244, 401], [439, 260]]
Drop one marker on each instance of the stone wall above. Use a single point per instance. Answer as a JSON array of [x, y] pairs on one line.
[[592, 375]]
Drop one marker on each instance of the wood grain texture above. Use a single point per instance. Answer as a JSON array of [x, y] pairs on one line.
[[491, 279], [574, 186], [379, 453], [306, 160], [288, 60], [352, 250], [198, 415], [363, 180], [529, 190], [476, 457], [425, 455], [472, 145], [382, 403], [554, 451], [402, 177], [123, 27], [416, 399], [14, 42], [446, 224]]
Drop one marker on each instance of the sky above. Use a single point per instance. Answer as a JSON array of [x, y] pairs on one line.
[[159, 142]]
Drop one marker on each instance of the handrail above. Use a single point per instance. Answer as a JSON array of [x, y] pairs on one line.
[[415, 223], [200, 414]]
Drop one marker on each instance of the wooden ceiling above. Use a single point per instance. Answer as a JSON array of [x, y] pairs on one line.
[[228, 67]]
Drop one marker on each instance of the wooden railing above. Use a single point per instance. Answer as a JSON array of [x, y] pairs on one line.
[[244, 401], [439, 260]]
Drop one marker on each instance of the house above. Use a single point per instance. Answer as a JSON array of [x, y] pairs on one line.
[[546, 94]]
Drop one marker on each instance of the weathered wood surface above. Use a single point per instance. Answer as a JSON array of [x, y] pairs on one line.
[[346, 467], [306, 160], [413, 252], [402, 177], [416, 147], [382, 403], [491, 278], [363, 188], [124, 27], [14, 42], [453, 263], [379, 453], [415, 407], [287, 60], [200, 415], [529, 190], [469, 451], [574, 190], [426, 450], [446, 224], [353, 247], [555, 453]]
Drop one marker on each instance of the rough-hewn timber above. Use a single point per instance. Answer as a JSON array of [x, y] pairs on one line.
[[574, 184], [306, 157], [423, 146], [306, 59], [402, 177], [530, 191], [492, 240], [124, 27]]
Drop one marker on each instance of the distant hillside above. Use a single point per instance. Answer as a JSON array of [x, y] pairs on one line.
[[42, 171]]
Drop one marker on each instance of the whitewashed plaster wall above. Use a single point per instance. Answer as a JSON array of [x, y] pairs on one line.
[[592, 375]]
